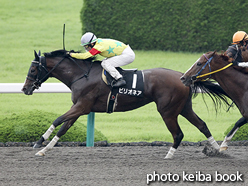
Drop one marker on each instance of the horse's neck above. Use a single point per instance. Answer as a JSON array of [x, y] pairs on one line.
[[69, 71], [232, 82]]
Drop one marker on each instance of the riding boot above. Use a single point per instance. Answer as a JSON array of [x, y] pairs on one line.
[[120, 82]]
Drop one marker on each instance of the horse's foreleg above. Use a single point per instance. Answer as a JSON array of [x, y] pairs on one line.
[[229, 136], [44, 137], [56, 123], [69, 118], [49, 131], [61, 132], [48, 147]]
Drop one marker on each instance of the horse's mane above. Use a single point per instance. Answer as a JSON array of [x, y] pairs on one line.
[[56, 53], [213, 90], [64, 53], [224, 57]]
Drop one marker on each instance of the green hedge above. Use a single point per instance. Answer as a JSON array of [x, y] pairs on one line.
[[29, 127], [178, 25], [241, 134]]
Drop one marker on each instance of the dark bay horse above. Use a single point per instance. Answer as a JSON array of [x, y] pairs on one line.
[[232, 79], [90, 94]]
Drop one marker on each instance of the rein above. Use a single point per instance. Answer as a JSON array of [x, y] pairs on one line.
[[87, 72], [208, 63], [49, 72]]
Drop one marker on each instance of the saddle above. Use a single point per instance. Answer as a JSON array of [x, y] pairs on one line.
[[134, 86]]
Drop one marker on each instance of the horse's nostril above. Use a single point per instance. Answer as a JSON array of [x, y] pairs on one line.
[[182, 78], [23, 89]]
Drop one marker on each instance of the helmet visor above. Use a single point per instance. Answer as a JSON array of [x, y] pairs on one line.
[[84, 44]]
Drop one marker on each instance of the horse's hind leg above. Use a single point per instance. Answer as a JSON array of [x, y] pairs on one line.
[[191, 116], [169, 109], [229, 136], [175, 130]]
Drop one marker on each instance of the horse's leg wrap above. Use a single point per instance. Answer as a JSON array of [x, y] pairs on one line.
[[170, 153], [48, 147], [44, 137], [48, 132], [213, 142], [230, 137], [224, 145]]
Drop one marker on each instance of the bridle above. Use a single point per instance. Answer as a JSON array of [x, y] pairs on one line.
[[43, 74], [197, 76]]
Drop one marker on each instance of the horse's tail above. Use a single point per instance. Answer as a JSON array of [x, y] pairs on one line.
[[213, 90]]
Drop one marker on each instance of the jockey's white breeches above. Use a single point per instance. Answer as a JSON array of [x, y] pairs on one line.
[[109, 64]]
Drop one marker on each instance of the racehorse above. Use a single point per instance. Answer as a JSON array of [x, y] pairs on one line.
[[241, 121], [231, 78], [90, 94]]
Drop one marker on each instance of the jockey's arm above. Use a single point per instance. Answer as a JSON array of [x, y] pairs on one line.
[[242, 64], [85, 55], [235, 53]]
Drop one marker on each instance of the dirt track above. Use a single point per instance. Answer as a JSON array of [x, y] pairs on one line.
[[129, 165]]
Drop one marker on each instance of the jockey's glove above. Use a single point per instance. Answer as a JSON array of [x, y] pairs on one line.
[[235, 63]]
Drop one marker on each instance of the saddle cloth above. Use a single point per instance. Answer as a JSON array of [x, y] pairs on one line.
[[134, 79], [134, 86]]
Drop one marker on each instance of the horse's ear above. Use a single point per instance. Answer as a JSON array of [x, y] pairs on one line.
[[39, 53], [36, 56], [213, 53]]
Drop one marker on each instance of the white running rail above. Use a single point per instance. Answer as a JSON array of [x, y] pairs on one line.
[[45, 88]]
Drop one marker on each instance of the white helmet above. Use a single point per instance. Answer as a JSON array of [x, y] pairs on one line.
[[88, 38]]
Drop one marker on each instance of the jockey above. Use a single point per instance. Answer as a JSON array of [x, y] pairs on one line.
[[240, 41], [117, 54]]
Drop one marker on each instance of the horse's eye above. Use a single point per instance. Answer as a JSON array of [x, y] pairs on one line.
[[198, 64], [32, 70]]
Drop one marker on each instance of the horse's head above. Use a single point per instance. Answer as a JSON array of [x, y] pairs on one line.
[[198, 68], [37, 74], [49, 65], [199, 72]]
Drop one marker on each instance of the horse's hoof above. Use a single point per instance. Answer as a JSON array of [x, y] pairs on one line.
[[40, 154], [36, 146], [168, 157], [223, 148]]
